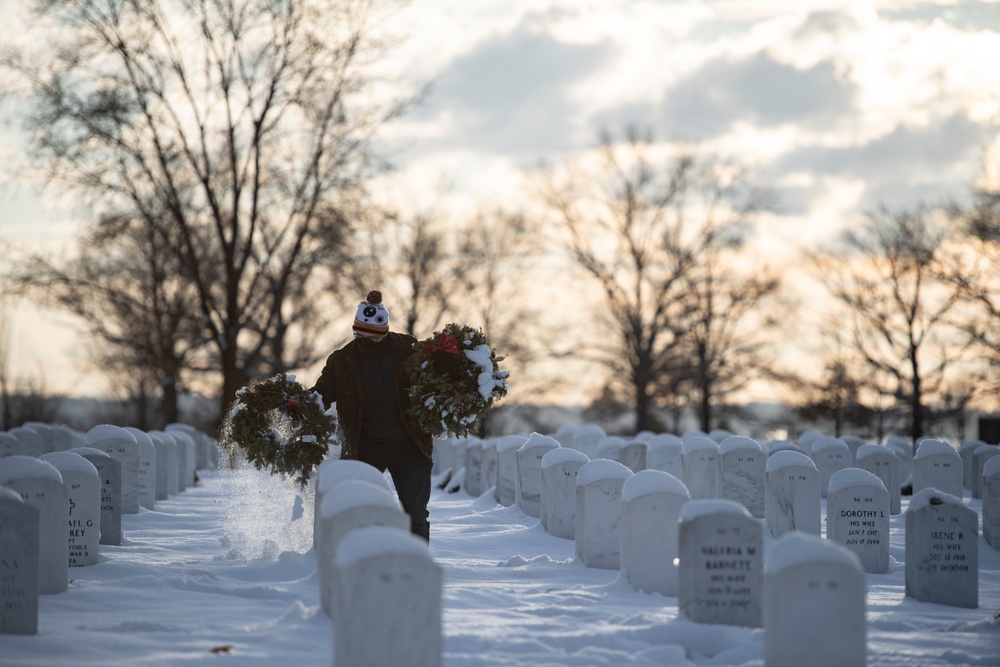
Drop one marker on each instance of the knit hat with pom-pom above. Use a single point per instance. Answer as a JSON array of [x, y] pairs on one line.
[[372, 316]]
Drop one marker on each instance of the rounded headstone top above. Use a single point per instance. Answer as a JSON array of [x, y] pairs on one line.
[[848, 477], [991, 467], [558, 455], [539, 440], [69, 462], [4, 436], [827, 442], [346, 469], [589, 431], [735, 442], [931, 447], [782, 445], [473, 443], [645, 435], [809, 436], [664, 440], [898, 440], [372, 541], [720, 434], [788, 457], [797, 548], [140, 436], [601, 469], [27, 467], [930, 496], [511, 442], [694, 509], [351, 493], [105, 432], [7, 493], [867, 450], [28, 436], [698, 442], [985, 449], [970, 444], [89, 451], [646, 482]]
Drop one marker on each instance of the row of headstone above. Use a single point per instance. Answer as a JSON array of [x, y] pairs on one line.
[[70, 502], [378, 582]]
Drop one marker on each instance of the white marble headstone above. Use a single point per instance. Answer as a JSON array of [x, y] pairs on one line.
[[83, 487], [507, 477], [830, 455], [610, 447], [991, 502], [721, 563], [937, 465], [942, 550], [9, 445], [741, 467], [632, 454], [31, 441], [558, 504], [967, 450], [882, 462], [489, 474], [473, 482], [700, 460], [121, 446], [109, 471], [650, 511], [162, 461], [857, 516], [388, 601], [982, 454], [597, 533], [349, 505], [791, 498], [147, 467], [334, 471], [529, 471], [663, 452], [173, 463], [814, 604], [586, 438], [19, 558], [40, 485]]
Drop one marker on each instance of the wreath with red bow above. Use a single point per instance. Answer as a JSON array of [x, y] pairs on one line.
[[281, 425], [455, 378]]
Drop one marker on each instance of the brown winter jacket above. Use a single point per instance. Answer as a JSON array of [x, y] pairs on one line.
[[340, 383]]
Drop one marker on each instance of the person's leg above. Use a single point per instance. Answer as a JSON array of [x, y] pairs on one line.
[[413, 486]]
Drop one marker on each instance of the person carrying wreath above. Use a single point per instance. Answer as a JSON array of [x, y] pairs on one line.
[[368, 382]]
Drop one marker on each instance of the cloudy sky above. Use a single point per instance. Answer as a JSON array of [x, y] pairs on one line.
[[841, 106]]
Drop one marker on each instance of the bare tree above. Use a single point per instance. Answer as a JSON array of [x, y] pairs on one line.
[[136, 303], [977, 274], [235, 132], [733, 315], [890, 279], [640, 225]]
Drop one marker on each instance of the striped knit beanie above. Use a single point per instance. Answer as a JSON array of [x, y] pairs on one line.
[[372, 316]]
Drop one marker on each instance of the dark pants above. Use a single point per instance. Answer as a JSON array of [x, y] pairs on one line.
[[412, 479]]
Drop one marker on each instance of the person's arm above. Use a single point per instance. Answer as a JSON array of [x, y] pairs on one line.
[[326, 385]]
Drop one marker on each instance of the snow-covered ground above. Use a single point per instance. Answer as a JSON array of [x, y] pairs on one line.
[[224, 573]]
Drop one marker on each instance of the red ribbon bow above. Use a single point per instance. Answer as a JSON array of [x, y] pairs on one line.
[[446, 343]]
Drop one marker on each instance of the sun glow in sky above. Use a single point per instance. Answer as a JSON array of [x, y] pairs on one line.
[[840, 106]]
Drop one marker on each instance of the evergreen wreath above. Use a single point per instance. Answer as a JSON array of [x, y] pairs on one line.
[[279, 424], [455, 378]]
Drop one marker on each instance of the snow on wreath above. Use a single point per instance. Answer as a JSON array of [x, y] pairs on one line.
[[281, 425], [454, 379]]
